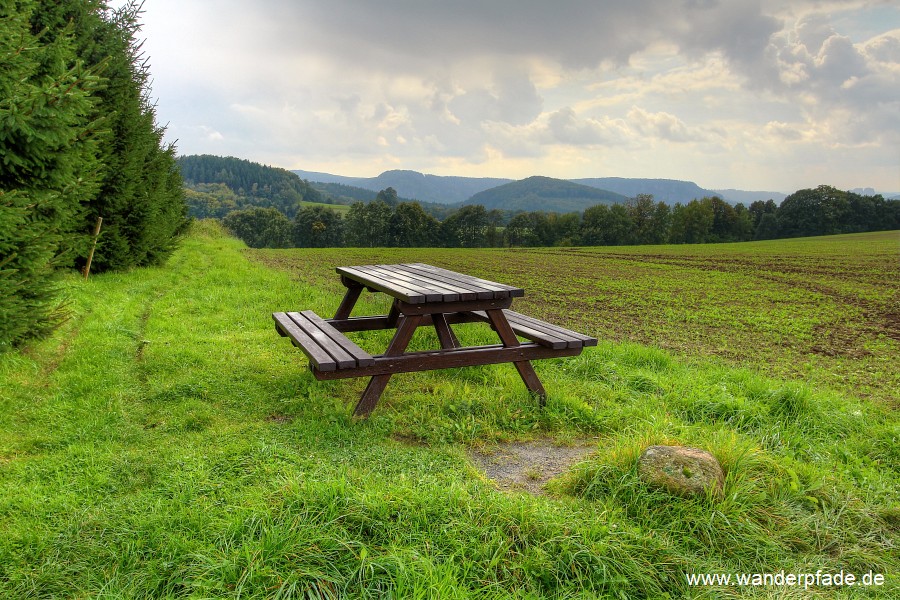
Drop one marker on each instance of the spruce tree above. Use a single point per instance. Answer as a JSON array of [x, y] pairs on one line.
[[48, 168], [140, 196]]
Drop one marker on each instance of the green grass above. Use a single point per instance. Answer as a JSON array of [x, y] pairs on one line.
[[167, 443], [338, 208]]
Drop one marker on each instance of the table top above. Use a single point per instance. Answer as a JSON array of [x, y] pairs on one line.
[[418, 283]]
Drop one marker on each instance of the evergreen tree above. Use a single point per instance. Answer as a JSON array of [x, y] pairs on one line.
[[140, 196], [47, 168], [141, 199]]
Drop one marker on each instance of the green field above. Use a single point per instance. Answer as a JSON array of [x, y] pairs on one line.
[[167, 443], [825, 311]]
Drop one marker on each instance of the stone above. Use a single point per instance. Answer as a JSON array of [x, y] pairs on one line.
[[681, 471]]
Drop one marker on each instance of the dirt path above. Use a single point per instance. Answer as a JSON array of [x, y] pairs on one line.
[[528, 466]]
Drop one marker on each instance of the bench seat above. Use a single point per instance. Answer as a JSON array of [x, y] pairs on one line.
[[327, 348], [542, 332]]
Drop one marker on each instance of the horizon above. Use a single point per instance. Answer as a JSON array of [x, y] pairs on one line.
[[859, 189]]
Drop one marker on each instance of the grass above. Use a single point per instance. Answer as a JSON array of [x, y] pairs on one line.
[[167, 443], [338, 208]]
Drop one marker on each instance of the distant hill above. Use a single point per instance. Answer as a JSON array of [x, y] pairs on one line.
[[544, 194], [454, 190], [669, 191], [412, 184], [348, 194]]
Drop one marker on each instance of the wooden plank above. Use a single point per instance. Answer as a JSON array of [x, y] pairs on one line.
[[453, 307], [350, 297], [361, 323], [481, 290], [535, 335], [517, 317], [317, 356], [500, 290], [424, 282], [450, 359], [542, 332], [360, 356], [466, 292], [391, 282], [432, 293], [444, 333], [378, 283], [341, 357]]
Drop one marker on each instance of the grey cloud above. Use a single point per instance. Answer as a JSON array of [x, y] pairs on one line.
[[574, 33], [513, 99], [565, 127]]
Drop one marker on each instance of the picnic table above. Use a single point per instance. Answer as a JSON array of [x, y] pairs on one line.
[[424, 295]]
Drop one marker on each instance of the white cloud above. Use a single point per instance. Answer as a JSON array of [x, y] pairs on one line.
[[516, 84]]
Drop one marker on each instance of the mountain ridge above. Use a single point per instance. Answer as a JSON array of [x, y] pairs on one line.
[[443, 189]]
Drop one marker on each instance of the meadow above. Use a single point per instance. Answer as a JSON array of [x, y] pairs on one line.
[[167, 443]]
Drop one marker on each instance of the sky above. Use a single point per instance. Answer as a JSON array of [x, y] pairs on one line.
[[745, 94]]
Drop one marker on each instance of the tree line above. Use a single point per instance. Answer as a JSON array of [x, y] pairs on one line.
[[385, 222], [78, 141]]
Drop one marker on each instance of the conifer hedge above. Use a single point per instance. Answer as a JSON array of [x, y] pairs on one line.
[[78, 140]]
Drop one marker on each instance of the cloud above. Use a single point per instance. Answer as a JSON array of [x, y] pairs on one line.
[[848, 88], [495, 83], [566, 127]]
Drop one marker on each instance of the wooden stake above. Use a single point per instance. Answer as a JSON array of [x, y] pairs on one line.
[[87, 267]]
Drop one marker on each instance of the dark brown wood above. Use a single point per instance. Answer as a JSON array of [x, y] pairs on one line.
[[326, 348], [360, 357], [394, 314], [361, 324], [444, 333], [466, 290], [509, 339], [429, 360], [424, 295], [541, 331], [452, 307], [499, 290], [350, 297], [434, 290], [376, 385], [516, 318], [317, 356], [375, 282], [419, 283]]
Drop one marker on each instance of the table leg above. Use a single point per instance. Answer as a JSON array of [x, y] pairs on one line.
[[393, 315], [444, 333], [509, 339], [377, 384], [349, 301]]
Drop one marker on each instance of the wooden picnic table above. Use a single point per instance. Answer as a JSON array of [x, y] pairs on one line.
[[430, 296]]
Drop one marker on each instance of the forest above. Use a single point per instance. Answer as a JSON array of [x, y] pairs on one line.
[[79, 143], [216, 186]]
